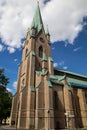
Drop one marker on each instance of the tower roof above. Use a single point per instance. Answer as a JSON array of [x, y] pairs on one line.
[[37, 22]]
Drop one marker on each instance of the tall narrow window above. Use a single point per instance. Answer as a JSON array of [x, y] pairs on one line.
[[40, 51], [86, 96], [55, 100]]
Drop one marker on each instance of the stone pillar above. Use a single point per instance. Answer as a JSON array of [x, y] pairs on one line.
[[30, 92], [83, 108], [50, 65], [36, 111], [39, 111], [19, 110], [49, 111], [69, 110], [12, 110]]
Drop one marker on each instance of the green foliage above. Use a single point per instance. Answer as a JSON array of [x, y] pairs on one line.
[[5, 97], [3, 79]]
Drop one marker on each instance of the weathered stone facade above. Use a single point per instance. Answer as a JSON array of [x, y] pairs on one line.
[[46, 98]]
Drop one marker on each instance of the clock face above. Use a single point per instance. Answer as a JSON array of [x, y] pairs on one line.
[[42, 40]]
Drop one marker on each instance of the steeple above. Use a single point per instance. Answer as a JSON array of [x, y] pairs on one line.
[[37, 22]]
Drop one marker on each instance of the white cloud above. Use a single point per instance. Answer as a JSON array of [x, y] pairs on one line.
[[65, 67], [61, 63], [10, 90], [15, 60], [55, 64], [64, 18], [53, 48], [11, 49], [76, 49], [15, 85], [66, 43], [1, 47], [66, 22]]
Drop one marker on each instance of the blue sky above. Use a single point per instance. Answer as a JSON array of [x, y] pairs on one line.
[[68, 31], [72, 57]]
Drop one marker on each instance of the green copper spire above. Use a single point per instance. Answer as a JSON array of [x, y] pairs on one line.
[[37, 22]]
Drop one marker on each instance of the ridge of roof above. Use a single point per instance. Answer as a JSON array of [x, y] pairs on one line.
[[77, 82], [69, 72], [70, 81]]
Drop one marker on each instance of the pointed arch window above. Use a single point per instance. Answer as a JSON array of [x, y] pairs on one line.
[[86, 96], [55, 100], [40, 51]]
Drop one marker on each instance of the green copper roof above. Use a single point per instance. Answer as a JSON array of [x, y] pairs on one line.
[[39, 72], [72, 73], [42, 73], [32, 88], [38, 85], [32, 53], [49, 83], [44, 57], [67, 87], [56, 79], [22, 88], [70, 81], [62, 77], [77, 83], [50, 58], [37, 22]]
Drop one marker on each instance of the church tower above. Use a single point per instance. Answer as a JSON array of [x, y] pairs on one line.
[[32, 106]]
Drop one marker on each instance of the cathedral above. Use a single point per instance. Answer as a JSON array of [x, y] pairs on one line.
[[47, 98]]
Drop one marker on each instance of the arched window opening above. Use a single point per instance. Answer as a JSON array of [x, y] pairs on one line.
[[40, 51], [57, 125], [55, 100], [86, 96]]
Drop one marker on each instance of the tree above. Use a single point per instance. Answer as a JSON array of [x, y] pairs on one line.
[[5, 97], [3, 79]]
